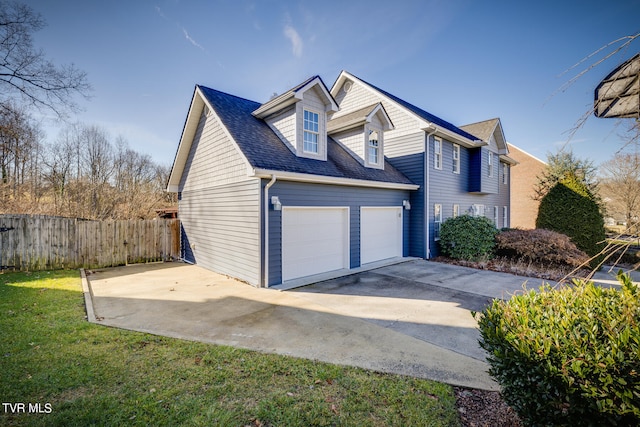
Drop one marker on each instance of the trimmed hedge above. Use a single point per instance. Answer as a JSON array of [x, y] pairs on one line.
[[468, 237], [568, 356], [544, 247], [570, 208]]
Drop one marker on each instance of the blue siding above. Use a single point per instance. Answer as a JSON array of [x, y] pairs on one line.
[[447, 188], [305, 194], [479, 179], [412, 166]]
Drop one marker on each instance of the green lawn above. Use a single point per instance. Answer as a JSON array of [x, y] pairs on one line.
[[84, 374]]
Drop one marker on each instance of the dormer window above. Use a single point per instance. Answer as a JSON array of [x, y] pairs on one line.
[[311, 133], [373, 148]]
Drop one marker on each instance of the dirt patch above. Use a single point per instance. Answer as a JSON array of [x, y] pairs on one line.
[[480, 408]]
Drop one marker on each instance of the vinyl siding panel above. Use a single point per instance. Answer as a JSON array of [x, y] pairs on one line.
[[412, 166], [360, 96], [219, 205], [447, 188], [222, 224], [212, 160], [284, 125], [353, 141], [303, 194]]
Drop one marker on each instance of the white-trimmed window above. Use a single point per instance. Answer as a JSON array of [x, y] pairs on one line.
[[505, 217], [495, 216], [437, 220], [311, 133], [373, 147], [456, 158], [505, 173], [437, 153], [477, 210], [490, 162], [456, 210]]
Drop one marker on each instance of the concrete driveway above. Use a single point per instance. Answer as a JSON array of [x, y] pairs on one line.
[[412, 318]]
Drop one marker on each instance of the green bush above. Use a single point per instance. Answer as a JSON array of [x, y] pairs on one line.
[[570, 208], [544, 247], [467, 237], [569, 356]]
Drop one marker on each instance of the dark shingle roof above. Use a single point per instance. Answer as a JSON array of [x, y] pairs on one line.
[[424, 114], [264, 149]]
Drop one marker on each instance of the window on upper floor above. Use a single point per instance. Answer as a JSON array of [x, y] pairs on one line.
[[437, 153], [373, 148], [456, 158], [505, 173], [490, 163], [311, 133]]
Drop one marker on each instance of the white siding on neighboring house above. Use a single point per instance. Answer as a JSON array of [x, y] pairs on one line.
[[219, 205]]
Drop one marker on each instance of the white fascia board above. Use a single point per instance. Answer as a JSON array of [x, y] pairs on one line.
[[320, 179], [451, 136], [380, 109], [330, 102], [188, 132]]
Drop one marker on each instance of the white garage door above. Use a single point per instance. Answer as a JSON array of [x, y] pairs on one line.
[[314, 240], [380, 233]]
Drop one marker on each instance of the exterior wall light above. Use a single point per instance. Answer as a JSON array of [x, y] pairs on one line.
[[275, 201], [406, 204]]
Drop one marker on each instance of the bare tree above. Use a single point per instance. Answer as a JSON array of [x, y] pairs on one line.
[[19, 148], [620, 185], [25, 72]]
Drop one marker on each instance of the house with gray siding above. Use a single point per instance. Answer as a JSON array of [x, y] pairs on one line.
[[318, 181], [460, 170]]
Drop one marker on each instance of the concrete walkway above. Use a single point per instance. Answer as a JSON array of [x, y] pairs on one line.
[[412, 318]]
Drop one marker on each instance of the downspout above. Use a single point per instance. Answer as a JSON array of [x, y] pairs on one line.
[[265, 283], [426, 190]]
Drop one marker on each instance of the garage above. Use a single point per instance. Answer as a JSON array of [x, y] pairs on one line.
[[380, 233], [314, 240]]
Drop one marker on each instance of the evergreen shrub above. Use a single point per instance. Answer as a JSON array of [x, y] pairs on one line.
[[569, 356], [570, 208], [467, 237]]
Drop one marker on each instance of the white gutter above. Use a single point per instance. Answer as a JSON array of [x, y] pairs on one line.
[[426, 188], [265, 283], [320, 179]]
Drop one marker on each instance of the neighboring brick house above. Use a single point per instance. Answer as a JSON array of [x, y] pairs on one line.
[[524, 209]]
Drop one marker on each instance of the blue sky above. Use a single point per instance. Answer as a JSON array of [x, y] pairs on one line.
[[462, 60]]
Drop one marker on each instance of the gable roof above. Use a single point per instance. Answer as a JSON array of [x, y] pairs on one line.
[[294, 95], [488, 128], [359, 118], [482, 130], [265, 153], [422, 114]]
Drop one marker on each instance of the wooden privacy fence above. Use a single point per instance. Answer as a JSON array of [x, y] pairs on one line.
[[42, 242]]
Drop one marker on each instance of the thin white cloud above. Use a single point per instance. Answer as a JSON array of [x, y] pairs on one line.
[[295, 39], [190, 39]]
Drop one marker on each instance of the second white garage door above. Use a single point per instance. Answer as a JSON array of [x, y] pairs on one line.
[[314, 240], [380, 233]]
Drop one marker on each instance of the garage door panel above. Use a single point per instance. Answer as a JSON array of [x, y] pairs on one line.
[[314, 240], [380, 233]]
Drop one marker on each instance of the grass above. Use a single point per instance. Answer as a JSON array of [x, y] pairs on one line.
[[86, 374]]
